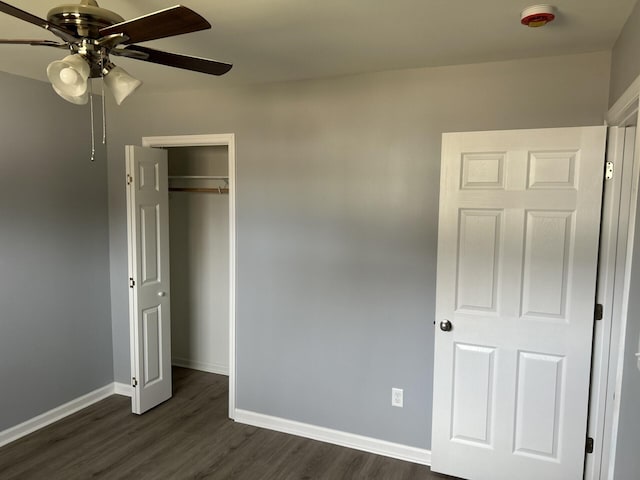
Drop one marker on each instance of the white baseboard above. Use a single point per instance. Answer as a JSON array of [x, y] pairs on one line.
[[202, 366], [122, 389], [58, 413], [336, 437]]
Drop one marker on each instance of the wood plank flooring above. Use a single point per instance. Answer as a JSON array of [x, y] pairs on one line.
[[188, 437]]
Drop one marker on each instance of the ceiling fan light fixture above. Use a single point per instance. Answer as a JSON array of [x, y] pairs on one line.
[[93, 33], [120, 83], [69, 76]]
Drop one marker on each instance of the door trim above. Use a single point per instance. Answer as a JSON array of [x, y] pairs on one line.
[[618, 225], [626, 106], [228, 140]]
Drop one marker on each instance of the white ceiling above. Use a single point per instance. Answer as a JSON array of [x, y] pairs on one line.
[[275, 40]]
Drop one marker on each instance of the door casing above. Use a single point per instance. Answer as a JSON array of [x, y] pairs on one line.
[[619, 224], [228, 140]]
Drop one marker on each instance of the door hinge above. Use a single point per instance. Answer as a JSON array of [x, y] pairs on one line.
[[608, 170], [589, 446], [597, 314], [132, 282], [134, 382], [129, 179]]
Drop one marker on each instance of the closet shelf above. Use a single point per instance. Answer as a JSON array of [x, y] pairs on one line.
[[201, 190], [199, 177]]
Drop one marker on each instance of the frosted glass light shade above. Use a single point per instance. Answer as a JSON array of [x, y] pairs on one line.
[[69, 76], [79, 100], [121, 84]]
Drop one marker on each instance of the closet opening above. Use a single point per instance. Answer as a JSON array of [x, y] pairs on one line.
[[199, 260], [181, 221]]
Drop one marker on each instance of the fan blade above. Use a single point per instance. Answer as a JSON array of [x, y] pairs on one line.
[[195, 64], [63, 33], [164, 23], [44, 43]]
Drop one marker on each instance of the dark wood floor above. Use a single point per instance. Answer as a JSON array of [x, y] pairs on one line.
[[187, 437]]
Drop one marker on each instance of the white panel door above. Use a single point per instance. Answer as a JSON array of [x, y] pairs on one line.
[[148, 230], [517, 255]]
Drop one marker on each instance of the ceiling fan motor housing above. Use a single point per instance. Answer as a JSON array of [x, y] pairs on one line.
[[84, 19]]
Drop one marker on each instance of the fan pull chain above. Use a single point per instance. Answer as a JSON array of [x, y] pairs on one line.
[[93, 134], [104, 117], [104, 108]]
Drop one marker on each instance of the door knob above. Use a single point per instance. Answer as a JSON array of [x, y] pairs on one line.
[[162, 294], [445, 326]]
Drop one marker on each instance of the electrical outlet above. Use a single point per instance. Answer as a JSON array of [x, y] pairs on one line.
[[396, 397]]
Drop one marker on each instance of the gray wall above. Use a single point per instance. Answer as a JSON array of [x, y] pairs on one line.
[[55, 324], [337, 214], [625, 57]]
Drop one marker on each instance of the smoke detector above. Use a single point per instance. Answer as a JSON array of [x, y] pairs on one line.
[[537, 15]]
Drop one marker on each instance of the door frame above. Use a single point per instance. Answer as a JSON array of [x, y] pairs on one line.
[[617, 235], [228, 140]]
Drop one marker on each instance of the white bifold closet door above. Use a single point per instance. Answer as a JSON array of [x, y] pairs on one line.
[[149, 307]]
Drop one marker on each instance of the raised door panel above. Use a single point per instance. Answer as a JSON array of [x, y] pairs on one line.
[[148, 178], [478, 258], [553, 170], [482, 171], [152, 355], [540, 396], [473, 394], [547, 254], [149, 243]]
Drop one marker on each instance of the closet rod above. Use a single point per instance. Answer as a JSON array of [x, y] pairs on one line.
[[201, 190]]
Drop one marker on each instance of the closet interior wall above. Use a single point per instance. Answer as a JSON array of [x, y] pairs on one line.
[[199, 246]]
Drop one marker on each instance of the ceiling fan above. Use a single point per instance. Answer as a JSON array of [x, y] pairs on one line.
[[92, 34]]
